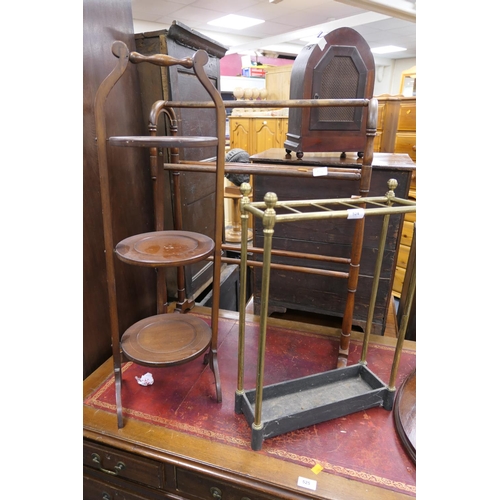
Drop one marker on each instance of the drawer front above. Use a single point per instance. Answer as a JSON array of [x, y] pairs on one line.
[[125, 465], [406, 143], [407, 233], [265, 134], [411, 217], [204, 487], [403, 254], [240, 134], [100, 488], [399, 276], [407, 116]]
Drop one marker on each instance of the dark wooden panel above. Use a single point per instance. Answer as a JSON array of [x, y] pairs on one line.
[[103, 23]]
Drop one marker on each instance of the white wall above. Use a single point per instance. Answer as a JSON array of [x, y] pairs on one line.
[[401, 65], [388, 74]]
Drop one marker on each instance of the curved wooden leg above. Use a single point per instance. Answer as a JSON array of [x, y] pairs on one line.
[[118, 395], [211, 357]]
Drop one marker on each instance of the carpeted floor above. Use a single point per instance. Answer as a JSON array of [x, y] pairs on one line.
[[363, 446]]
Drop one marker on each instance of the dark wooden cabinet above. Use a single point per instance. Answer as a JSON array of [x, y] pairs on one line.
[[197, 190], [320, 294]]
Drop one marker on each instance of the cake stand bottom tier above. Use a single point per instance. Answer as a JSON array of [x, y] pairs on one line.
[[166, 339]]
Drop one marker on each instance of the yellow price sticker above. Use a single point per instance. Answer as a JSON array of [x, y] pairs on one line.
[[317, 469]]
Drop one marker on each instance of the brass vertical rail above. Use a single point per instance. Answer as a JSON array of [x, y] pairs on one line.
[[402, 327], [390, 396], [245, 190], [268, 221], [392, 184]]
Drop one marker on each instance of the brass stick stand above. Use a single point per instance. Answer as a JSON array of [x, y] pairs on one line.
[[279, 408]]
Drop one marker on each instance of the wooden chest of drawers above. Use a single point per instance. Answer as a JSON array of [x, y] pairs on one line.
[[406, 134], [403, 253], [397, 133], [255, 134], [397, 125]]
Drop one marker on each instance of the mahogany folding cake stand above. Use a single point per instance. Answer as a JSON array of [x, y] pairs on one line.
[[165, 339]]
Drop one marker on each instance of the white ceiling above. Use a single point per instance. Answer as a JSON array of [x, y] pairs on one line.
[[380, 22]]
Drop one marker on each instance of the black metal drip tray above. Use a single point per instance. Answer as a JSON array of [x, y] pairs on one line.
[[310, 400]]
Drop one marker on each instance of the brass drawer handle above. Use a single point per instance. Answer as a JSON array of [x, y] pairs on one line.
[[119, 467], [216, 493]]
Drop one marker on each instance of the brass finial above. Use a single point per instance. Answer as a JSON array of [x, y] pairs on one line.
[[245, 188], [270, 199], [392, 184]]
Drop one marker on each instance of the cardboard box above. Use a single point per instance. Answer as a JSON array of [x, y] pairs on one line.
[[254, 71]]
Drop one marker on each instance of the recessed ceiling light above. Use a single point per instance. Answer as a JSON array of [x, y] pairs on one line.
[[387, 49], [235, 22]]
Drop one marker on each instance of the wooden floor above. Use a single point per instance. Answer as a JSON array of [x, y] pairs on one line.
[[320, 319]]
